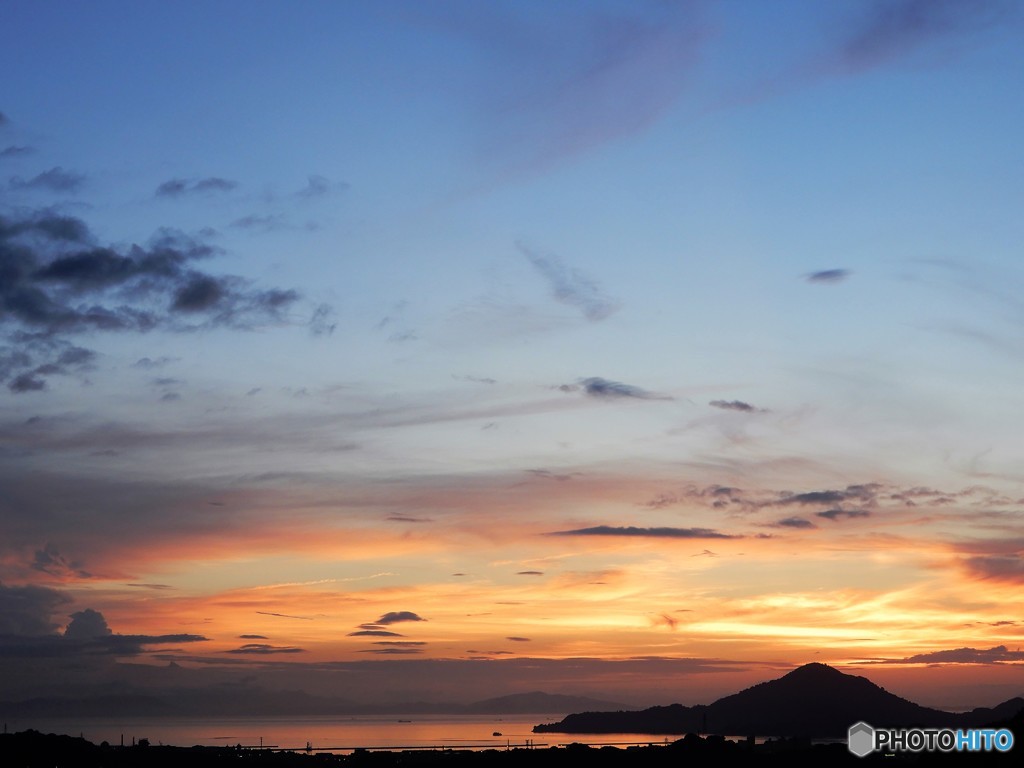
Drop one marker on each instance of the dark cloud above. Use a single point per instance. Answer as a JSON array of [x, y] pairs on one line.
[[529, 573], [862, 493], [733, 405], [54, 180], [150, 586], [997, 655], [408, 519], [515, 639], [664, 533], [56, 280], [252, 637], [263, 649], [395, 617], [828, 276], [52, 562], [570, 286], [795, 522], [28, 610], [179, 187], [27, 632], [836, 513], [374, 633], [595, 386], [13, 151]]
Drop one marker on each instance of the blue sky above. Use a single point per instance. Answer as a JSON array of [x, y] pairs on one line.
[[389, 294]]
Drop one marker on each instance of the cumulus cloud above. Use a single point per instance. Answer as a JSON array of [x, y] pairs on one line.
[[570, 286], [58, 281], [662, 533], [54, 180], [179, 187], [28, 610], [828, 276]]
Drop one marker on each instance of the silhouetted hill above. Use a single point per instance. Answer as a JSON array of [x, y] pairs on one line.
[[814, 700]]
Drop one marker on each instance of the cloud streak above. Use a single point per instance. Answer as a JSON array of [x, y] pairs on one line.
[[654, 533], [570, 286]]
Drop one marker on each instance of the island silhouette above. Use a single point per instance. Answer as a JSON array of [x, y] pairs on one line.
[[813, 701]]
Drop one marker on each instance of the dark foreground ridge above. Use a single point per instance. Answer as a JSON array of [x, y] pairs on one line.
[[31, 749], [812, 701]]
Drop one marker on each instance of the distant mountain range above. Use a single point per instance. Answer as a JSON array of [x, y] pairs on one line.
[[814, 700]]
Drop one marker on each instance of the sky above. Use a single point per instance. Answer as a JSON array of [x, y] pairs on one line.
[[446, 350]]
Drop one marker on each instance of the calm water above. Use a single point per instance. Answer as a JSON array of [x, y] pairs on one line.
[[338, 734]]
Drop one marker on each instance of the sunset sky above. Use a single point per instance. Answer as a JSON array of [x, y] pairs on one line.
[[444, 350]]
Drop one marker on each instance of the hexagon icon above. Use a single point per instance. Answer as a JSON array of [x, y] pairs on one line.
[[860, 739]]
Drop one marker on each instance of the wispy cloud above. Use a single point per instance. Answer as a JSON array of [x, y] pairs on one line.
[[658, 533], [54, 180], [998, 655], [264, 649], [570, 286], [180, 187], [733, 405], [828, 276]]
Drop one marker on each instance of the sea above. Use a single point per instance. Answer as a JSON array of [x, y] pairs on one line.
[[340, 735]]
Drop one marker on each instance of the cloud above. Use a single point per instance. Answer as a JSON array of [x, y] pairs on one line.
[[284, 615], [392, 651], [828, 276], [515, 639], [997, 567], [262, 223], [322, 322], [54, 180], [48, 560], [57, 280], [889, 29], [733, 405], [263, 649], [148, 363], [28, 610], [374, 633], [402, 643], [795, 522], [26, 630], [529, 573], [252, 637], [997, 655], [570, 286], [179, 187], [395, 617], [320, 186], [863, 493], [660, 533], [835, 514], [14, 151], [595, 386]]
